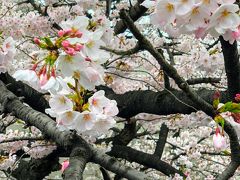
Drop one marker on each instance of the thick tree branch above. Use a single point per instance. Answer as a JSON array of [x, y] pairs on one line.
[[203, 80], [232, 66], [113, 165], [162, 103], [229, 171], [79, 157], [135, 13], [161, 140], [20, 89], [145, 159], [105, 174], [37, 169]]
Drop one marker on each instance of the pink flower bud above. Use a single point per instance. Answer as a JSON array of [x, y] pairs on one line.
[[219, 141], [236, 34], [68, 32], [37, 41], [65, 165], [237, 97], [70, 51], [34, 67], [53, 73], [78, 34], [65, 43], [78, 47], [43, 79], [61, 33]]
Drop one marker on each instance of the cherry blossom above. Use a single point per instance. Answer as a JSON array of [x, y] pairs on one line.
[[219, 140]]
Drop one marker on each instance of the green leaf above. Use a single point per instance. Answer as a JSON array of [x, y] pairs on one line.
[[220, 120], [226, 152], [231, 107], [48, 41], [215, 103]]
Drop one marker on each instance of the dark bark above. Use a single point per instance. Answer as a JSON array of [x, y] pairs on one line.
[[135, 12], [32, 97], [163, 134], [232, 66], [148, 160], [161, 103], [37, 169], [79, 157], [229, 171], [127, 134]]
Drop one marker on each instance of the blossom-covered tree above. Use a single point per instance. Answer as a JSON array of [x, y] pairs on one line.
[[114, 89]]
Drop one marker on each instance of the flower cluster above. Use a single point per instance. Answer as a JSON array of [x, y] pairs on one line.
[[70, 71], [200, 17], [74, 53], [7, 53], [93, 117]]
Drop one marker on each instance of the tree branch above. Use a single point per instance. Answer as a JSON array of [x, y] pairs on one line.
[[203, 80], [232, 66], [122, 53], [161, 140], [113, 165], [145, 159], [79, 157], [36, 169], [135, 13], [170, 70]]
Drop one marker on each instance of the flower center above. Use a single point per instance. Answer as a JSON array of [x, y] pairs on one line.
[[169, 7], [86, 117]]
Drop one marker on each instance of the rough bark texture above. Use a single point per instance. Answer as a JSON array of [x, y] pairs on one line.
[[145, 159], [37, 169], [135, 12], [163, 134], [161, 103], [232, 66]]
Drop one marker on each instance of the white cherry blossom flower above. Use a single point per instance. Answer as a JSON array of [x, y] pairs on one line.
[[68, 119], [79, 23], [85, 121], [164, 13], [53, 85], [225, 18], [60, 103], [28, 76], [67, 64], [97, 102], [183, 6], [102, 125]]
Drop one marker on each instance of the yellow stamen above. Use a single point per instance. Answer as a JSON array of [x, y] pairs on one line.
[[225, 13], [195, 11], [169, 7], [62, 100], [86, 117]]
